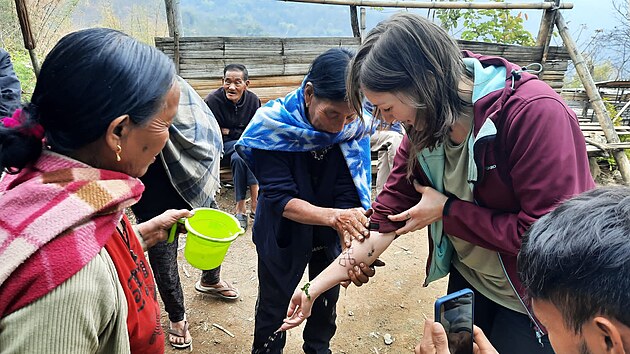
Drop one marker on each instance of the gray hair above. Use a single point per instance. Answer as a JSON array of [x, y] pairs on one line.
[[417, 60]]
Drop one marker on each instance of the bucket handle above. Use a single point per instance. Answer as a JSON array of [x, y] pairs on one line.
[[173, 232]]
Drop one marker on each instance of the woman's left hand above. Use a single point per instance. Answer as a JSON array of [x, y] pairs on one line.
[[427, 211], [156, 230]]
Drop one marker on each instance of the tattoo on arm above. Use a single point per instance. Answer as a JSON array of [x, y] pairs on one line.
[[371, 253], [347, 258]]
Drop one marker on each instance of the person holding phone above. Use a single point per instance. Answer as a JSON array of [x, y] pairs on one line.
[[489, 149]]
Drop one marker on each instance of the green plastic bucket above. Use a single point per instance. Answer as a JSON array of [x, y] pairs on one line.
[[210, 234]]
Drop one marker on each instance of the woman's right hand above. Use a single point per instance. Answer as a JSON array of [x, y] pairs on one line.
[[351, 224]]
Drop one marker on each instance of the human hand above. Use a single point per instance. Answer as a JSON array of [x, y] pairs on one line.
[[428, 210], [361, 274], [299, 309], [225, 131], [434, 340], [481, 343], [156, 230], [351, 223]]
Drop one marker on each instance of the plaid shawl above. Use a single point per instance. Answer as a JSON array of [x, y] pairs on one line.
[[55, 216], [193, 152]]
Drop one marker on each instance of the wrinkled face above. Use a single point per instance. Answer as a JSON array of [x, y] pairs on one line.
[[234, 85], [392, 108], [144, 142], [326, 115], [563, 339]]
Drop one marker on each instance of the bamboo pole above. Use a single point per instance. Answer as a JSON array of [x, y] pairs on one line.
[[354, 21], [439, 5], [593, 95], [174, 21], [362, 14], [27, 34], [546, 30]]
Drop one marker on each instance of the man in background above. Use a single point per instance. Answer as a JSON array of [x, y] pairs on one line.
[[234, 106]]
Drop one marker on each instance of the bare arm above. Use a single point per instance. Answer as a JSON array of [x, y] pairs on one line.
[[360, 252]]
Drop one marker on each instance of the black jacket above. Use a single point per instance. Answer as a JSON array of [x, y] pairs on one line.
[[234, 117], [10, 90]]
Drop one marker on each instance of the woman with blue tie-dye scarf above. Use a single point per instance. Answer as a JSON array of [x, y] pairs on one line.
[[310, 153]]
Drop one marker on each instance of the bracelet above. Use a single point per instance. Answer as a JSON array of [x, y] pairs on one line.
[[305, 290]]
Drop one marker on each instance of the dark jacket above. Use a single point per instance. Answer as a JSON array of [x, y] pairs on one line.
[[234, 117], [284, 245], [10, 90], [535, 160]]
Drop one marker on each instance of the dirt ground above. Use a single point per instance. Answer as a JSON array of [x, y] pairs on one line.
[[393, 302]]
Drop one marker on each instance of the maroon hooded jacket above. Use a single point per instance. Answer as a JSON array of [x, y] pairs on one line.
[[536, 159]]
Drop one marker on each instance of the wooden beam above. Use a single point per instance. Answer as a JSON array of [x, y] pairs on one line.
[[439, 5], [174, 28], [546, 30], [354, 22], [593, 94], [27, 34]]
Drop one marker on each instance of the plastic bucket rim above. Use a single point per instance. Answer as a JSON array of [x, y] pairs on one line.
[[192, 230]]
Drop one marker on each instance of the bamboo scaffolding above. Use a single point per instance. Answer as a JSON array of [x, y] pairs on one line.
[[439, 5], [595, 99]]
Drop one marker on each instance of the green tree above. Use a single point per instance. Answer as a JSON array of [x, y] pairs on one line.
[[494, 25], [601, 71]]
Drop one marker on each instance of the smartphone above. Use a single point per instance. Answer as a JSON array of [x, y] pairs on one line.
[[455, 313]]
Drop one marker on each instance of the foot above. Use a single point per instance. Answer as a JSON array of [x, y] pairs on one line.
[[179, 335], [228, 292], [242, 219]]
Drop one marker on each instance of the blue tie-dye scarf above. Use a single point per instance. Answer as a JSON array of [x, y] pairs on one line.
[[281, 125]]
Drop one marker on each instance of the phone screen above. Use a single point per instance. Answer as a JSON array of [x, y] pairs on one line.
[[455, 313]]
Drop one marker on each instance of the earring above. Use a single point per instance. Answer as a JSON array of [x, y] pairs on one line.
[[118, 151]]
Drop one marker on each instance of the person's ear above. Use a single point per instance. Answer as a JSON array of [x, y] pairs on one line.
[[246, 83], [117, 131], [606, 337], [309, 92]]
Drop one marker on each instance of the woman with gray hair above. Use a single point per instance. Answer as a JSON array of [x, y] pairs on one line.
[[489, 149]]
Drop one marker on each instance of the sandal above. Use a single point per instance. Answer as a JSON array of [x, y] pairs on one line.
[[217, 292], [180, 334]]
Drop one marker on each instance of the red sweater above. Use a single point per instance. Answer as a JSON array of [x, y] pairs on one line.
[[134, 273]]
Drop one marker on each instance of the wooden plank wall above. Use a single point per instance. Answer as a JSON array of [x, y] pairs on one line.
[[278, 65]]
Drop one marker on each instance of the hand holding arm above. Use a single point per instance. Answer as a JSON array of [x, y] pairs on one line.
[[428, 210], [364, 252], [349, 223], [155, 230]]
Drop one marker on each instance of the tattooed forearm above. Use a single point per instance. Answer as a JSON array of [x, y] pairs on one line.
[[347, 258]]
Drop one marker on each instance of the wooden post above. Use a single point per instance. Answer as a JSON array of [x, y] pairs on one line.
[[354, 21], [593, 96], [362, 23], [546, 30], [27, 34], [174, 24]]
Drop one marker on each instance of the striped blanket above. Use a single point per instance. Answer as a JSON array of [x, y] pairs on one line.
[[55, 216]]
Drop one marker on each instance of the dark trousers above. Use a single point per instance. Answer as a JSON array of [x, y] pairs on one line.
[[508, 331], [159, 196], [241, 175], [273, 301]]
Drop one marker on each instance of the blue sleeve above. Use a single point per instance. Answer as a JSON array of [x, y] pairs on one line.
[[10, 90], [273, 172]]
